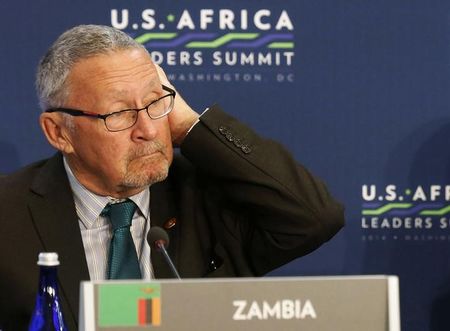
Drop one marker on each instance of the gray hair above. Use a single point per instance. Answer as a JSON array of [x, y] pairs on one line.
[[78, 43]]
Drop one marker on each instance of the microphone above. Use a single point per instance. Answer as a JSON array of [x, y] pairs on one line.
[[158, 239]]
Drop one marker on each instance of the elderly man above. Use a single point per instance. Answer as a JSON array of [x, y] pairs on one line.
[[234, 204]]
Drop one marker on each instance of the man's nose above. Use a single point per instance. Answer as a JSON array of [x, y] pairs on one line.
[[145, 128]]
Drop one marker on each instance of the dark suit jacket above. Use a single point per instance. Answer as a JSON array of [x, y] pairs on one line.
[[242, 207]]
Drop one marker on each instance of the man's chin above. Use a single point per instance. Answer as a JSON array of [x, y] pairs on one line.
[[145, 176]]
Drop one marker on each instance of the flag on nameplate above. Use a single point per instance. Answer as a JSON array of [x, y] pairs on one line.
[[129, 305]]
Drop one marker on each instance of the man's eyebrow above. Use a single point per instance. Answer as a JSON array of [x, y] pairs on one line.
[[154, 88], [121, 95], [154, 84]]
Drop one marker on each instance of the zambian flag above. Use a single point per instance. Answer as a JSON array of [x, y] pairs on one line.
[[149, 311], [129, 304]]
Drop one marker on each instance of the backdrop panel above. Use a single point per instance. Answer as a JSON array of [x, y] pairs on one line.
[[357, 90]]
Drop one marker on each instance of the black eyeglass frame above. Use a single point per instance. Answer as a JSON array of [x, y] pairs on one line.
[[77, 112]]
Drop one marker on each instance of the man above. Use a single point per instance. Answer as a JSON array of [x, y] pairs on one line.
[[234, 204]]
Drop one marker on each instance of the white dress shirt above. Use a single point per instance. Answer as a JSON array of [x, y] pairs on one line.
[[96, 230]]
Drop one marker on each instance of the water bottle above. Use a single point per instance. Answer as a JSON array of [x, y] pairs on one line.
[[47, 314]]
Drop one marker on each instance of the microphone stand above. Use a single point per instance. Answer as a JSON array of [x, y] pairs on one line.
[[160, 246]]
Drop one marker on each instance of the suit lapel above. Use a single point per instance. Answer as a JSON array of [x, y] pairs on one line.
[[53, 211], [162, 213]]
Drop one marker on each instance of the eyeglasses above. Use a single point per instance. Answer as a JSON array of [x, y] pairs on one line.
[[125, 119]]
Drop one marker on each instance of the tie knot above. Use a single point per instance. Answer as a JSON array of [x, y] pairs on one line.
[[120, 213]]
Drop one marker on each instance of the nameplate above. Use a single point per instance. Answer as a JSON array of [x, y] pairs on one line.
[[367, 303]]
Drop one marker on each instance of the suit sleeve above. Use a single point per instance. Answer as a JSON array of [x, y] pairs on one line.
[[281, 211]]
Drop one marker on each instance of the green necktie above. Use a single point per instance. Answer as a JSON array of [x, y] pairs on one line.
[[122, 262]]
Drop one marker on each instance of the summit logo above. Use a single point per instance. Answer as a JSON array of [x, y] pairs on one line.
[[215, 44], [412, 213], [223, 19]]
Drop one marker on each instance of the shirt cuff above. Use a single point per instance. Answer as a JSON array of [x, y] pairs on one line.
[[198, 120]]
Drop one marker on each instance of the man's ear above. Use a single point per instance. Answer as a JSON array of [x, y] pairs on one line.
[[56, 131]]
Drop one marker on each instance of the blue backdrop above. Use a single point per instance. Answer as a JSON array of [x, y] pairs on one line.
[[357, 90]]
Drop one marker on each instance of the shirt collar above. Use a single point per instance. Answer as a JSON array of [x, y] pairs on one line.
[[90, 205]]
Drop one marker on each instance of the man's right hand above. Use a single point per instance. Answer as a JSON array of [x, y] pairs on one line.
[[182, 117]]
